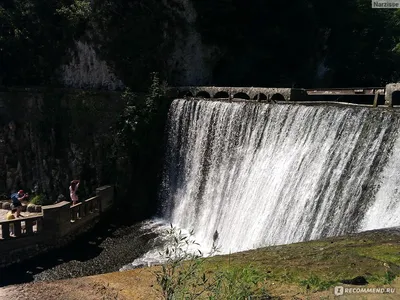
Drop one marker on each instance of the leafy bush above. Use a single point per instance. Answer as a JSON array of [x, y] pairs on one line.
[[183, 268], [136, 35], [183, 276], [40, 200], [138, 146], [35, 37]]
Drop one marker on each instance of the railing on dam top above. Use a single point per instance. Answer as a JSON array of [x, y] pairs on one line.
[[59, 219], [83, 209], [366, 96], [21, 227]]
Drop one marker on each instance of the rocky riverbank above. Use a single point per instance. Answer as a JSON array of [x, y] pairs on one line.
[[107, 248]]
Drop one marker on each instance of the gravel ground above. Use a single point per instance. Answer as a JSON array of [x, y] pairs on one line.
[[75, 289], [106, 249]]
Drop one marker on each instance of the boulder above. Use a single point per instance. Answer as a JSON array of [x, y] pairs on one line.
[[31, 207], [359, 280], [6, 205]]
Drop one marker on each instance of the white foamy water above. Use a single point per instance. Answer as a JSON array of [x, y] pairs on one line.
[[264, 174], [384, 212]]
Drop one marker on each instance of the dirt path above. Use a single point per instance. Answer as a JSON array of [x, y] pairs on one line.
[[136, 284], [73, 289]]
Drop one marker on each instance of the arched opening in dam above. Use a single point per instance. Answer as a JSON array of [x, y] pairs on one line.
[[221, 95], [241, 96], [278, 97], [203, 94], [260, 96]]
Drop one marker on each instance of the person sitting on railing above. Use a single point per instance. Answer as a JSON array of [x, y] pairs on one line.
[[72, 191], [16, 199]]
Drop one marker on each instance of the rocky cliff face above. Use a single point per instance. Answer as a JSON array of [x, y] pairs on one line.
[[86, 70], [190, 61], [47, 138]]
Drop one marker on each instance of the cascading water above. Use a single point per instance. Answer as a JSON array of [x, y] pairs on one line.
[[264, 174], [384, 212]]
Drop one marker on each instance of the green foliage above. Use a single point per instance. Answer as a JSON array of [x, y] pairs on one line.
[[40, 199], [76, 12], [135, 37], [183, 276], [139, 145], [280, 43], [238, 283], [273, 43], [35, 36], [182, 270], [389, 277], [139, 113]]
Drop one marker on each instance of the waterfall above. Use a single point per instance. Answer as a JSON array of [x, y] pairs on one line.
[[274, 174], [268, 174], [384, 212]]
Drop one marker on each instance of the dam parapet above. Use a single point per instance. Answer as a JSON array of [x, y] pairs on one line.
[[365, 96]]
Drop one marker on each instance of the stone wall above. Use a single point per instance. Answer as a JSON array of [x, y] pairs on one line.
[[49, 137], [57, 228]]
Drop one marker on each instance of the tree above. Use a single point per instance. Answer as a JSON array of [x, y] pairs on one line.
[[35, 37]]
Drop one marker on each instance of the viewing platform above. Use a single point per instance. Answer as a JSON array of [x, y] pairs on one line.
[[54, 227]]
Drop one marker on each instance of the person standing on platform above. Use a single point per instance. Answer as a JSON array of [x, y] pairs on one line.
[[72, 191]]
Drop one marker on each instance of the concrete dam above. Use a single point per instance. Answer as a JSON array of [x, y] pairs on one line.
[[267, 174]]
